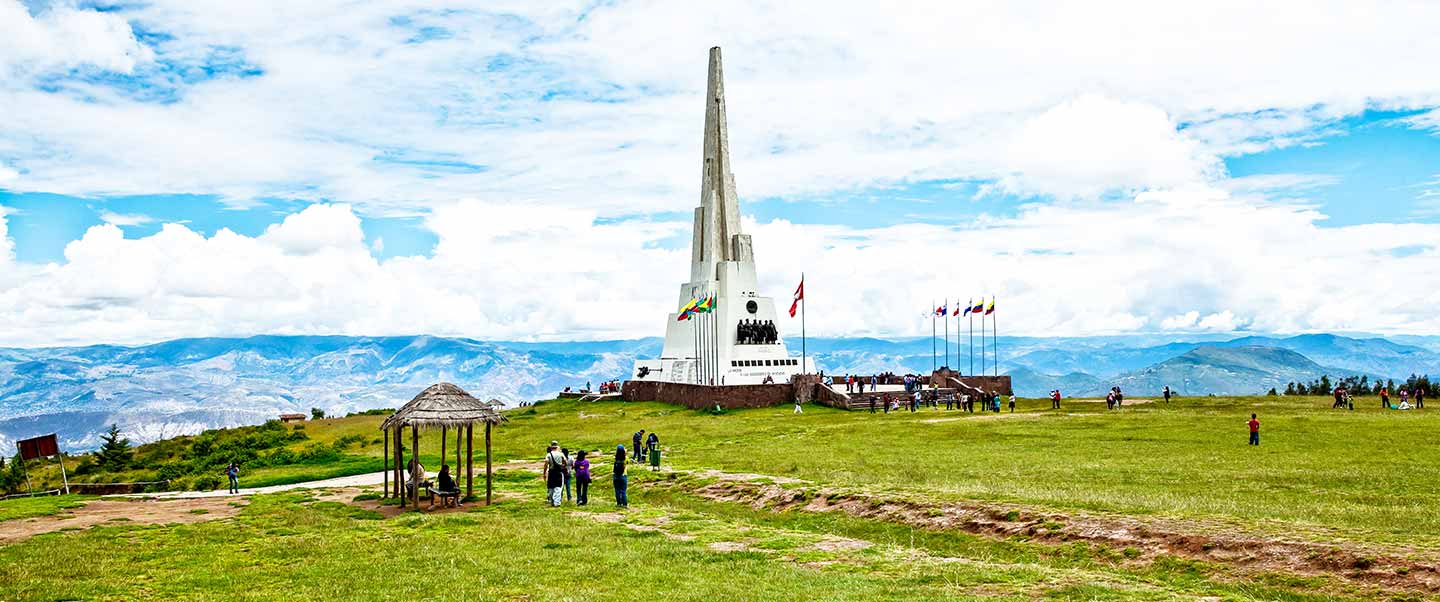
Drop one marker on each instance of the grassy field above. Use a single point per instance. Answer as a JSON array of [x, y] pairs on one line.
[[17, 508], [1367, 478]]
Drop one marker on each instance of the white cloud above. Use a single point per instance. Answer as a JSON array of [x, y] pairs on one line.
[[1212, 262], [1086, 146], [63, 36], [7, 247], [823, 98], [125, 219]]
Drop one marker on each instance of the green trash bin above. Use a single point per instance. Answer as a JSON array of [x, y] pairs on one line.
[[655, 457]]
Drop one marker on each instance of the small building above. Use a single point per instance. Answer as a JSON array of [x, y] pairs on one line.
[[292, 418]]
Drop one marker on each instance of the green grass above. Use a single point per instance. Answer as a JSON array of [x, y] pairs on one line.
[[672, 547], [1367, 476], [46, 505]]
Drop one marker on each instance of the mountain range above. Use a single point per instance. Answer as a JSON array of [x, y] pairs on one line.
[[183, 386]]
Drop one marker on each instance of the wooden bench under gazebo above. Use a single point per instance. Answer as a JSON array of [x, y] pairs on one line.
[[440, 406]]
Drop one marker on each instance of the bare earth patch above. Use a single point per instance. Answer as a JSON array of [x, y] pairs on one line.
[[1387, 568], [143, 512]]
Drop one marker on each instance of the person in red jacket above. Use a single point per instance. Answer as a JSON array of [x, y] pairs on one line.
[[1254, 430]]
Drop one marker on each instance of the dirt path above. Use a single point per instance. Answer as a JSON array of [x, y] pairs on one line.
[[1141, 539], [129, 511]]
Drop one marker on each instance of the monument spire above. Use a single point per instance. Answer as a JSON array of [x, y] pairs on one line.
[[717, 221]]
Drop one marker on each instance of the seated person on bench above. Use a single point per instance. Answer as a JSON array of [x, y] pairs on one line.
[[447, 490], [416, 479]]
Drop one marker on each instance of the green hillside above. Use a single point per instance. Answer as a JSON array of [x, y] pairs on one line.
[[1153, 501]]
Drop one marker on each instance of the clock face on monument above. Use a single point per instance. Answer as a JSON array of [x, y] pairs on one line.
[[751, 307]]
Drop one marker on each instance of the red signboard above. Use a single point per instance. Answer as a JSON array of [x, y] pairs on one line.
[[39, 447]]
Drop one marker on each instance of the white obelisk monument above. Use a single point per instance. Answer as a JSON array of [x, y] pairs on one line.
[[734, 343]]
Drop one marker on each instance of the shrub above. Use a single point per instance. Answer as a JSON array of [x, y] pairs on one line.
[[207, 483]]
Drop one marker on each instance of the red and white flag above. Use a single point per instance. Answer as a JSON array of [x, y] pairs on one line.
[[799, 294]]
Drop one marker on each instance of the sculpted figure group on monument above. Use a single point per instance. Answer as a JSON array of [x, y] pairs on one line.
[[755, 332]]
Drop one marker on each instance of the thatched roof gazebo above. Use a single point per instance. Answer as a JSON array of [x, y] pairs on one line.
[[441, 406]]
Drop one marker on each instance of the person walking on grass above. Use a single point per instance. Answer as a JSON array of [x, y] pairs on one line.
[[916, 402], [1254, 425], [872, 403], [565, 451], [554, 474], [635, 440], [1012, 403], [233, 471], [886, 405], [652, 449], [799, 410], [1167, 393], [619, 479], [582, 479]]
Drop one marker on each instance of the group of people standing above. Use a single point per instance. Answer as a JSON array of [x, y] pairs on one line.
[[1115, 398], [856, 384], [756, 332], [560, 470], [1405, 399]]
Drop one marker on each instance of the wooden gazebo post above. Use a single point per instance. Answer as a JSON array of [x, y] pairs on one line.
[[469, 461], [385, 469], [489, 480], [399, 461], [415, 453], [456, 472], [444, 435]]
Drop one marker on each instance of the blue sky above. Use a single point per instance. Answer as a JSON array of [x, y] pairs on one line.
[[282, 168]]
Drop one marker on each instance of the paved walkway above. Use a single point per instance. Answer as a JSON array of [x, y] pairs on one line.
[[359, 480]]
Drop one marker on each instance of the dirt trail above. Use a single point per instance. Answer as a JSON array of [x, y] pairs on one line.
[[136, 511], [1388, 568]]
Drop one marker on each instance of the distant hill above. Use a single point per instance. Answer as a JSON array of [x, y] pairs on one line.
[[187, 385], [1029, 383], [1241, 370]]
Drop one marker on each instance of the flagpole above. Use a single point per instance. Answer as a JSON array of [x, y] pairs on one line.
[[947, 335], [695, 335], [970, 312], [982, 336], [804, 365], [932, 336], [995, 340]]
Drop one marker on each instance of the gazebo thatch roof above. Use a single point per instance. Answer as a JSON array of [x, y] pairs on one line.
[[441, 405]]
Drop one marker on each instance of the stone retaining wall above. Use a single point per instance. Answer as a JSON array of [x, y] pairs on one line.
[[697, 397]]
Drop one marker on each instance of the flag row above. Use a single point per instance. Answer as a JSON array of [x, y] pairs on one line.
[[970, 307], [697, 305]]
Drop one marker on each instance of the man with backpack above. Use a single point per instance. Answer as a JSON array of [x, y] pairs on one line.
[[635, 440], [554, 473]]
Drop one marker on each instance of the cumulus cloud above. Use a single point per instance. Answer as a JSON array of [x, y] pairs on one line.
[[63, 36], [1092, 144], [366, 104], [1211, 262]]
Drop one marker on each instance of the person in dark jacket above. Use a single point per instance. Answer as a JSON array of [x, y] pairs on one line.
[[619, 479], [446, 484], [635, 440]]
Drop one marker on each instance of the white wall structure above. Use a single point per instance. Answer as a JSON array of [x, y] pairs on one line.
[[706, 348]]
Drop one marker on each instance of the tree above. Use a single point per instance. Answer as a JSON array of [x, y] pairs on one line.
[[1324, 385], [115, 453], [12, 479], [1290, 389], [1272, 392], [316, 413]]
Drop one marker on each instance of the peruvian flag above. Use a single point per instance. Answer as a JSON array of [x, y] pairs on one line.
[[799, 294]]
